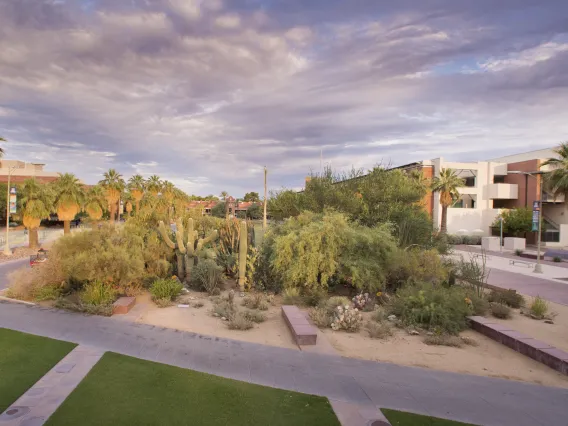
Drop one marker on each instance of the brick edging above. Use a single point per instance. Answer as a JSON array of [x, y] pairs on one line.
[[526, 345]]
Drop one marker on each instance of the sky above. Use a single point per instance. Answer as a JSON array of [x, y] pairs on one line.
[[207, 93]]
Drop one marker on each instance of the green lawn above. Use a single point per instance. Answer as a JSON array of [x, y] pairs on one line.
[[24, 359], [121, 390], [400, 418]]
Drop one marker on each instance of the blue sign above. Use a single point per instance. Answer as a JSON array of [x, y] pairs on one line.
[[536, 215]]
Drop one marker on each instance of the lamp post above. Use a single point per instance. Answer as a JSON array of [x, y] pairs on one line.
[[537, 266], [7, 251]]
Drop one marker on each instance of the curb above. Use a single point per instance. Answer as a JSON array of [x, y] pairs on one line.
[[539, 351]]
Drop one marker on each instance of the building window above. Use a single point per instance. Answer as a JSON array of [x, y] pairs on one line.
[[499, 179], [470, 181]]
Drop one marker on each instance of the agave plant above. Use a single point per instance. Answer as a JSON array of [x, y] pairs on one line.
[[69, 197], [37, 202], [113, 185]]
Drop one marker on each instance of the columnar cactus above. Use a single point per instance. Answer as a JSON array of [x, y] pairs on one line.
[[185, 253], [243, 248]]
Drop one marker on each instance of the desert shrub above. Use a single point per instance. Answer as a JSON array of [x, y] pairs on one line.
[[507, 297], [46, 292], [240, 322], [291, 296], [104, 310], [479, 305], [310, 249], [254, 316], [443, 340], [557, 259], [377, 330], [379, 315], [256, 301], [163, 302], [26, 283], [109, 254], [321, 317], [472, 240], [361, 301], [265, 276], [198, 304], [432, 307], [471, 272], [346, 318], [315, 297], [539, 307], [500, 311], [165, 288], [455, 239], [416, 266], [224, 306], [97, 293], [333, 302], [207, 275], [518, 252]]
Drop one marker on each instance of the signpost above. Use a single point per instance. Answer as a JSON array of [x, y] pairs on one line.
[[535, 215], [13, 201]]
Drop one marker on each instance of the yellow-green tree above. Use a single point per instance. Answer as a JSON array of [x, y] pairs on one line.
[[37, 202], [447, 184], [95, 203], [69, 197], [113, 185], [136, 186]]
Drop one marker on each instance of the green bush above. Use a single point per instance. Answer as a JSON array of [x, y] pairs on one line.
[[163, 303], [333, 302], [207, 276], [500, 311], [315, 297], [507, 297], [433, 307], [256, 301], [291, 296], [557, 259], [455, 240], [378, 330], [539, 307], [443, 340], [47, 292], [86, 308], [479, 305], [165, 288], [254, 316], [321, 317], [412, 266], [472, 240], [97, 293], [518, 252]]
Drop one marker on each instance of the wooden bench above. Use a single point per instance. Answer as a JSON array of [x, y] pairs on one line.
[[303, 332], [478, 255], [522, 262], [123, 305]]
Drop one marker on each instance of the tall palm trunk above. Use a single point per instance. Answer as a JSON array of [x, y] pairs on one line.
[[112, 212], [33, 239], [444, 224], [137, 206], [66, 227]]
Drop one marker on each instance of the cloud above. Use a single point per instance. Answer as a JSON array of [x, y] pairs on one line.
[[206, 93]]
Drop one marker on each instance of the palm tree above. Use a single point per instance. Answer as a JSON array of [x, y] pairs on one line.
[[1, 150], [95, 203], [556, 181], [113, 185], [447, 184], [37, 202], [154, 184], [69, 197], [168, 191], [137, 185], [224, 195]]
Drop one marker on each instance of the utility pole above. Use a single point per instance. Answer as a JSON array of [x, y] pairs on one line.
[[265, 200], [7, 251]]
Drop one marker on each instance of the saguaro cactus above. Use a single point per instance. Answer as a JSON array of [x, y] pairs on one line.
[[243, 248], [185, 253]]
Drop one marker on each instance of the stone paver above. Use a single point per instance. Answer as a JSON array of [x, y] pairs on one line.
[[40, 401], [472, 399]]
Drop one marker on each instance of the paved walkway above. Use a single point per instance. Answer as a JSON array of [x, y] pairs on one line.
[[40, 401], [369, 385], [524, 280]]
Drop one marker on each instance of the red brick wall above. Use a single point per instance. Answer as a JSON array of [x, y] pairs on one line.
[[21, 179], [528, 185]]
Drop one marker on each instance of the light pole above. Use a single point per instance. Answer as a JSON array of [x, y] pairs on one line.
[[537, 266], [7, 251]]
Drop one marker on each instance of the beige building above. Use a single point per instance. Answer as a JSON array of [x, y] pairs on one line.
[[20, 171]]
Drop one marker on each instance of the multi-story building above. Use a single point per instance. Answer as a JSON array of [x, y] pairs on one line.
[[20, 171], [491, 186]]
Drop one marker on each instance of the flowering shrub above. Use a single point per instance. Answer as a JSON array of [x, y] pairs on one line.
[[346, 318], [361, 300]]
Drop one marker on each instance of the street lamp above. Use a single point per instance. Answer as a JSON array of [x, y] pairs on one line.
[[537, 266], [7, 251]]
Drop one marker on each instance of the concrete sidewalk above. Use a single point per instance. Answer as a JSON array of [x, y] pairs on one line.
[[472, 399], [523, 279]]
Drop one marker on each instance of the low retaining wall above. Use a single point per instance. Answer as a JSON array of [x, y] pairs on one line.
[[526, 345]]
